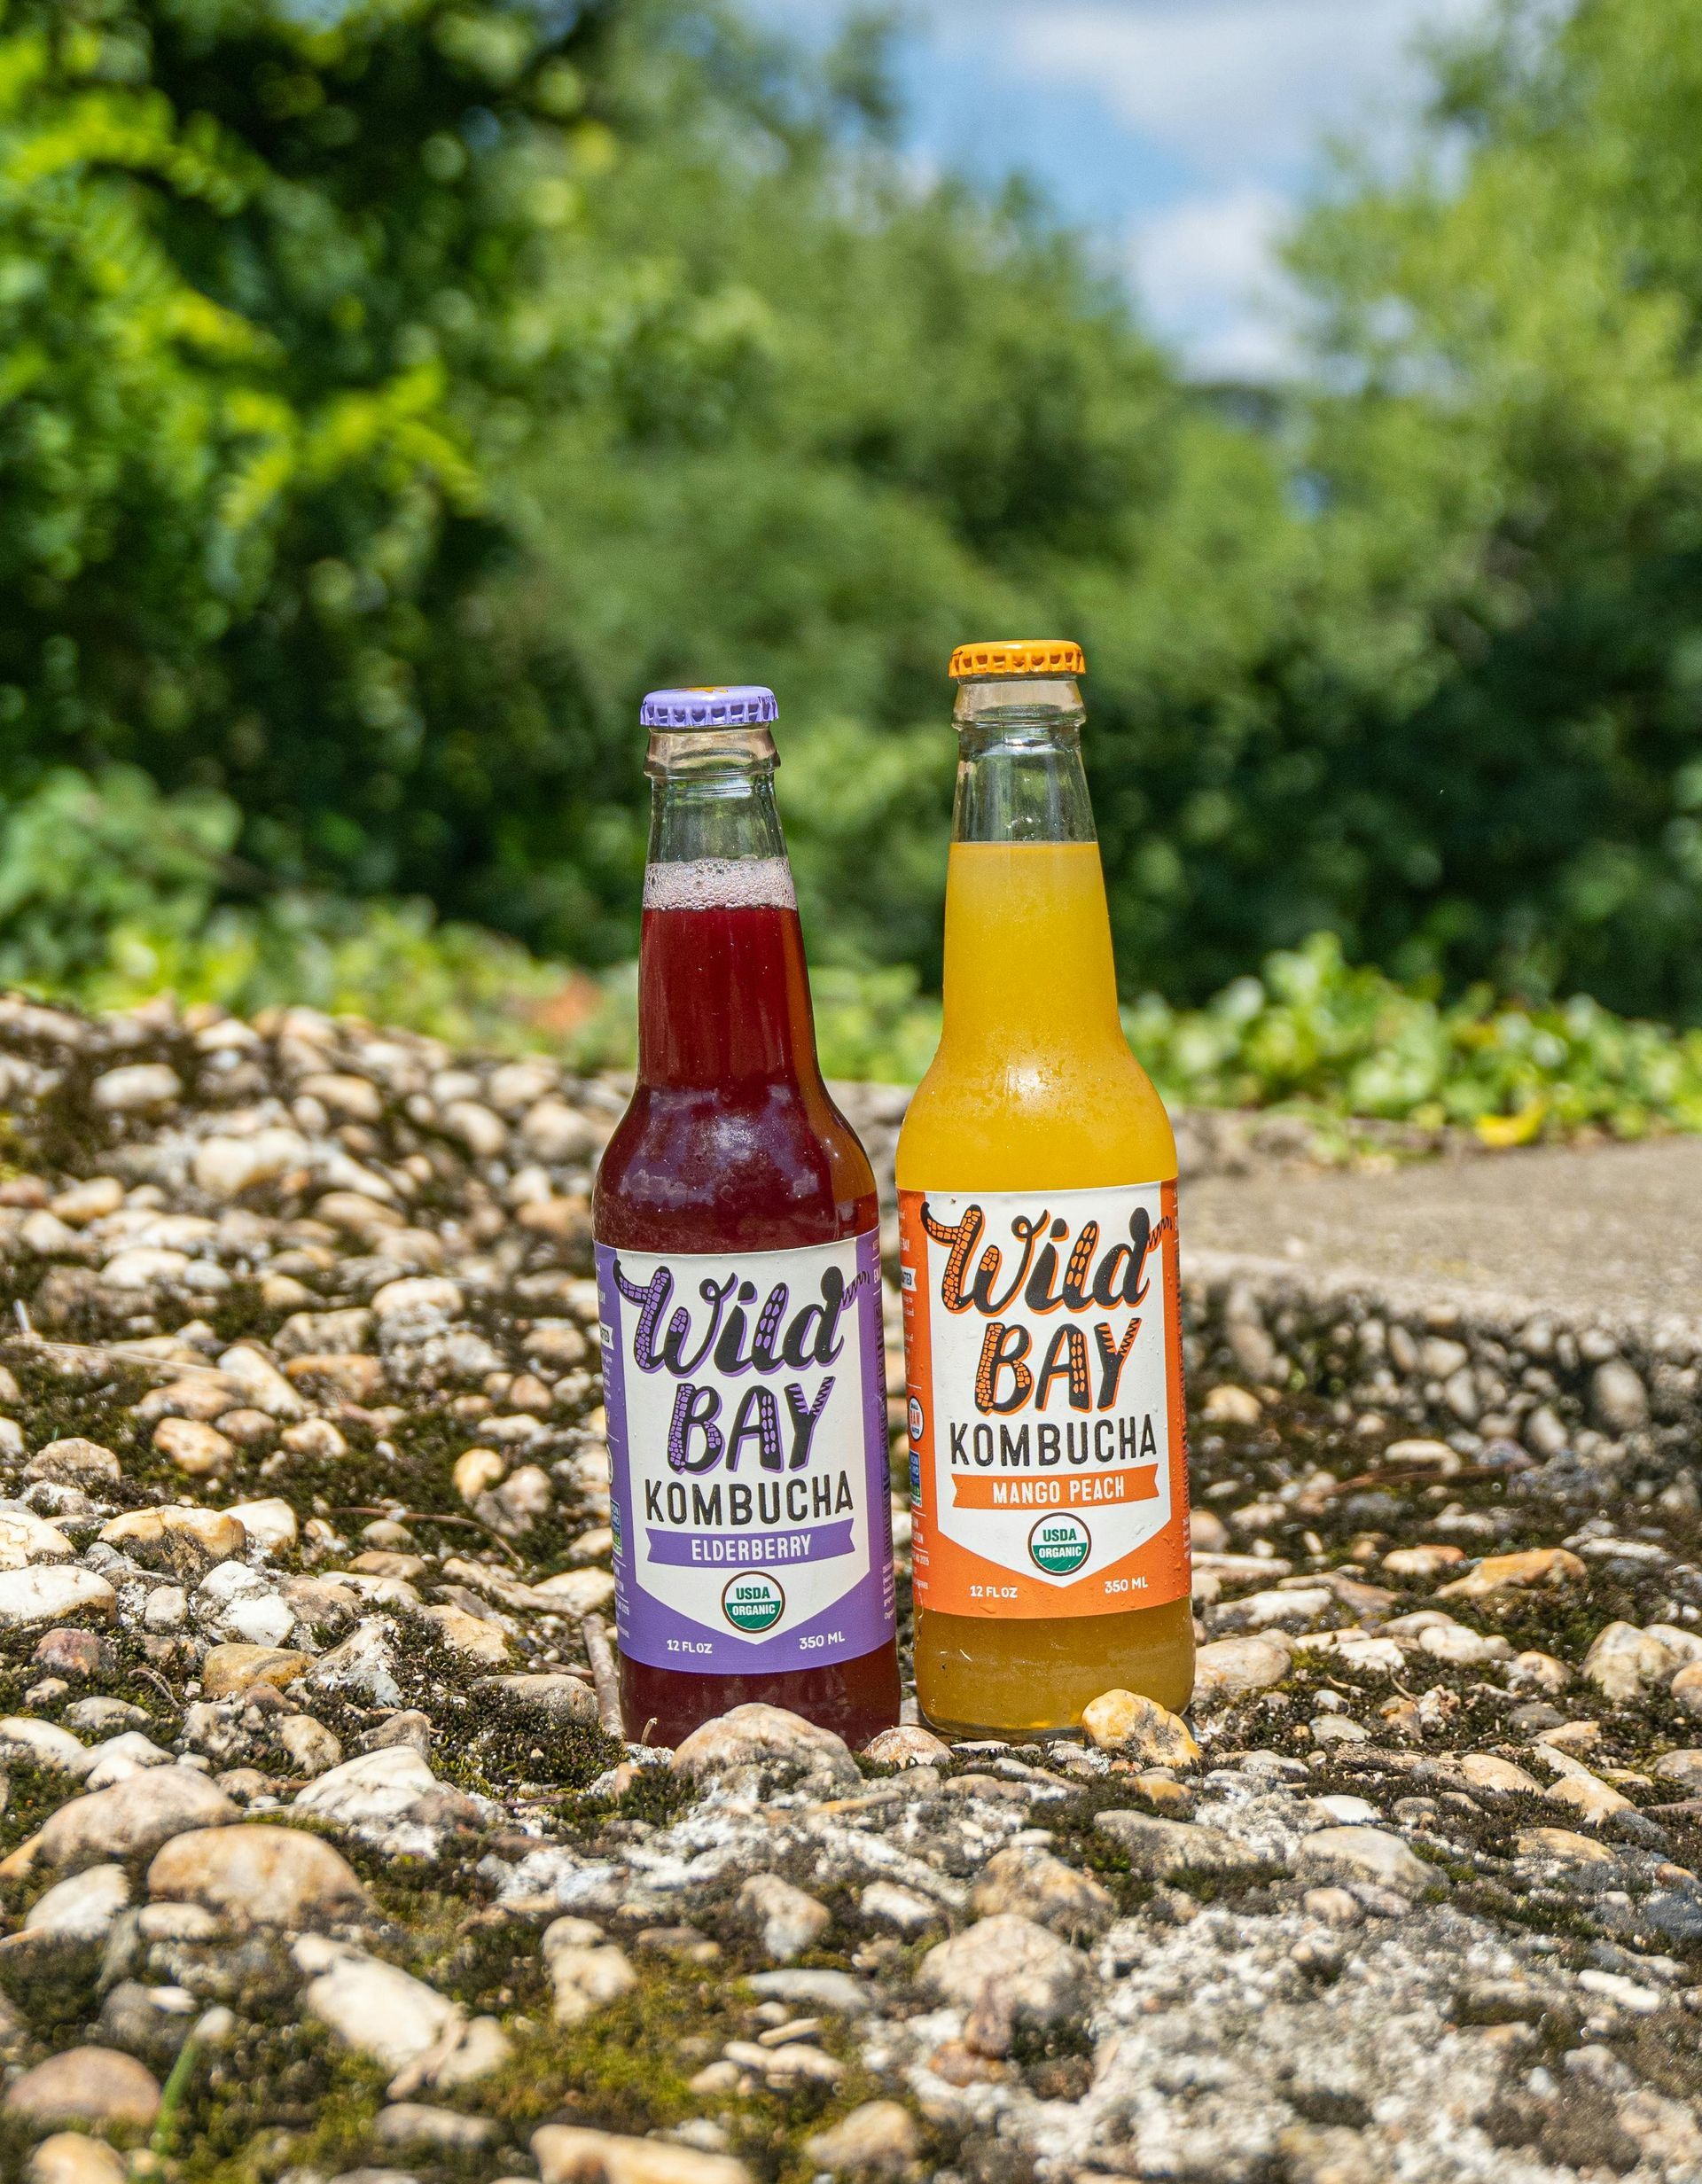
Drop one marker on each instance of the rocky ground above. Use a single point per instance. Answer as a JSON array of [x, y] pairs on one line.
[[319, 1861]]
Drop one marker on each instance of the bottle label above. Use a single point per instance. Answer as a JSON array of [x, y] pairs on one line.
[[1049, 1459], [746, 1400]]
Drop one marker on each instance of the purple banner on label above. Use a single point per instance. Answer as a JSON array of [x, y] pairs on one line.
[[709, 1551], [713, 1367]]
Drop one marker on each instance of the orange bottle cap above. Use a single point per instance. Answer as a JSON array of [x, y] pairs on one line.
[[1018, 656]]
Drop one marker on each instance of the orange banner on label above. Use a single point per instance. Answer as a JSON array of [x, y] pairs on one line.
[[972, 1490]]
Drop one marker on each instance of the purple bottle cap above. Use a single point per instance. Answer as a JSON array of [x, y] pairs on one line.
[[716, 705]]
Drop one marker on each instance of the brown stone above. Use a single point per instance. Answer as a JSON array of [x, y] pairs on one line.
[[96, 2085], [236, 1667]]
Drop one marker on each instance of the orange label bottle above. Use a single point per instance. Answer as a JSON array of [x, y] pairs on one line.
[[1036, 1175]]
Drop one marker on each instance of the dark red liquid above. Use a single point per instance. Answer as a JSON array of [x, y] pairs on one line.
[[732, 1142]]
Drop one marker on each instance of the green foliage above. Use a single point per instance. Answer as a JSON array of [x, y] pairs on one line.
[[268, 312], [1313, 1031], [1518, 469], [109, 892], [390, 392]]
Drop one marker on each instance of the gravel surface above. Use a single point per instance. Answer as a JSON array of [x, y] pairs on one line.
[[317, 1861]]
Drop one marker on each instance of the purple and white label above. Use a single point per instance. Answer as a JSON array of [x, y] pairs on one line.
[[746, 1399]]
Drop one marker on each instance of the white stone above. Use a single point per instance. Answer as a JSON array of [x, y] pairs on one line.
[[788, 1919], [378, 2010], [144, 1269], [1042, 1978], [47, 1593], [365, 1664], [43, 1743], [587, 1971], [226, 1166], [26, 1538], [258, 1875], [1365, 1854], [1624, 1661], [271, 1525], [568, 2155], [262, 1384], [263, 1621], [898, 1907], [431, 1293], [83, 1908], [122, 1756], [137, 1088]]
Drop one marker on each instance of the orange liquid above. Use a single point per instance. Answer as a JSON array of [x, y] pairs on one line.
[[1033, 1088]]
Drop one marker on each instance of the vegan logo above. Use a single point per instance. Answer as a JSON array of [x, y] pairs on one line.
[[752, 1601], [1059, 1545]]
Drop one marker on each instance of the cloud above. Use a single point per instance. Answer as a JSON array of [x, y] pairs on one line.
[[1231, 85], [1207, 273]]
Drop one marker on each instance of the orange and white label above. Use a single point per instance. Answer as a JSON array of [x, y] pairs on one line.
[[1042, 1343]]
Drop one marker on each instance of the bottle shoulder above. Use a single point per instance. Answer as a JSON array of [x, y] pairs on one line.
[[758, 1168], [985, 1121]]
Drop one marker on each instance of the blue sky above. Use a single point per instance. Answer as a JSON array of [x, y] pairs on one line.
[[1184, 131]]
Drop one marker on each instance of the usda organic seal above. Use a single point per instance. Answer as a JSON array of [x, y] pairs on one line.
[[753, 1601], [1059, 1545]]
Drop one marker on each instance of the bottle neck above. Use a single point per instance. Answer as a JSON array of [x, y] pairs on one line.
[[723, 1002], [1020, 773], [1028, 965]]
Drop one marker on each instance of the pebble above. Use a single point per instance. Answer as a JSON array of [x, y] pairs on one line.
[[1028, 1880], [1422, 1562], [757, 1749], [1365, 1854], [52, 1593], [787, 1920], [1231, 1667], [1038, 1978], [1139, 1728], [26, 1538], [137, 1088], [1563, 1846], [1624, 1661], [410, 2123], [587, 1971], [74, 1462], [1160, 1849], [1535, 1566], [371, 1791], [879, 2139], [71, 2158], [553, 1700], [42, 1744], [385, 2013], [567, 2155], [902, 1907], [258, 1875], [94, 2086], [128, 1820], [82, 1908], [186, 1542], [1686, 1687], [238, 1666], [198, 1451]]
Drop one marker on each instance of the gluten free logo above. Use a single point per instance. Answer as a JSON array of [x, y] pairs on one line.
[[1059, 1545], [752, 1601]]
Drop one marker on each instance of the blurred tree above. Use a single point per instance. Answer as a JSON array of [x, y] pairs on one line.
[[1515, 469], [267, 283]]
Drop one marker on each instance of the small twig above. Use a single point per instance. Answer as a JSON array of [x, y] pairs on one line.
[[158, 1682], [431, 1516], [604, 1675]]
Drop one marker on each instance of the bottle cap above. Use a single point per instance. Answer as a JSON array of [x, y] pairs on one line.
[[1016, 656], [712, 705]]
